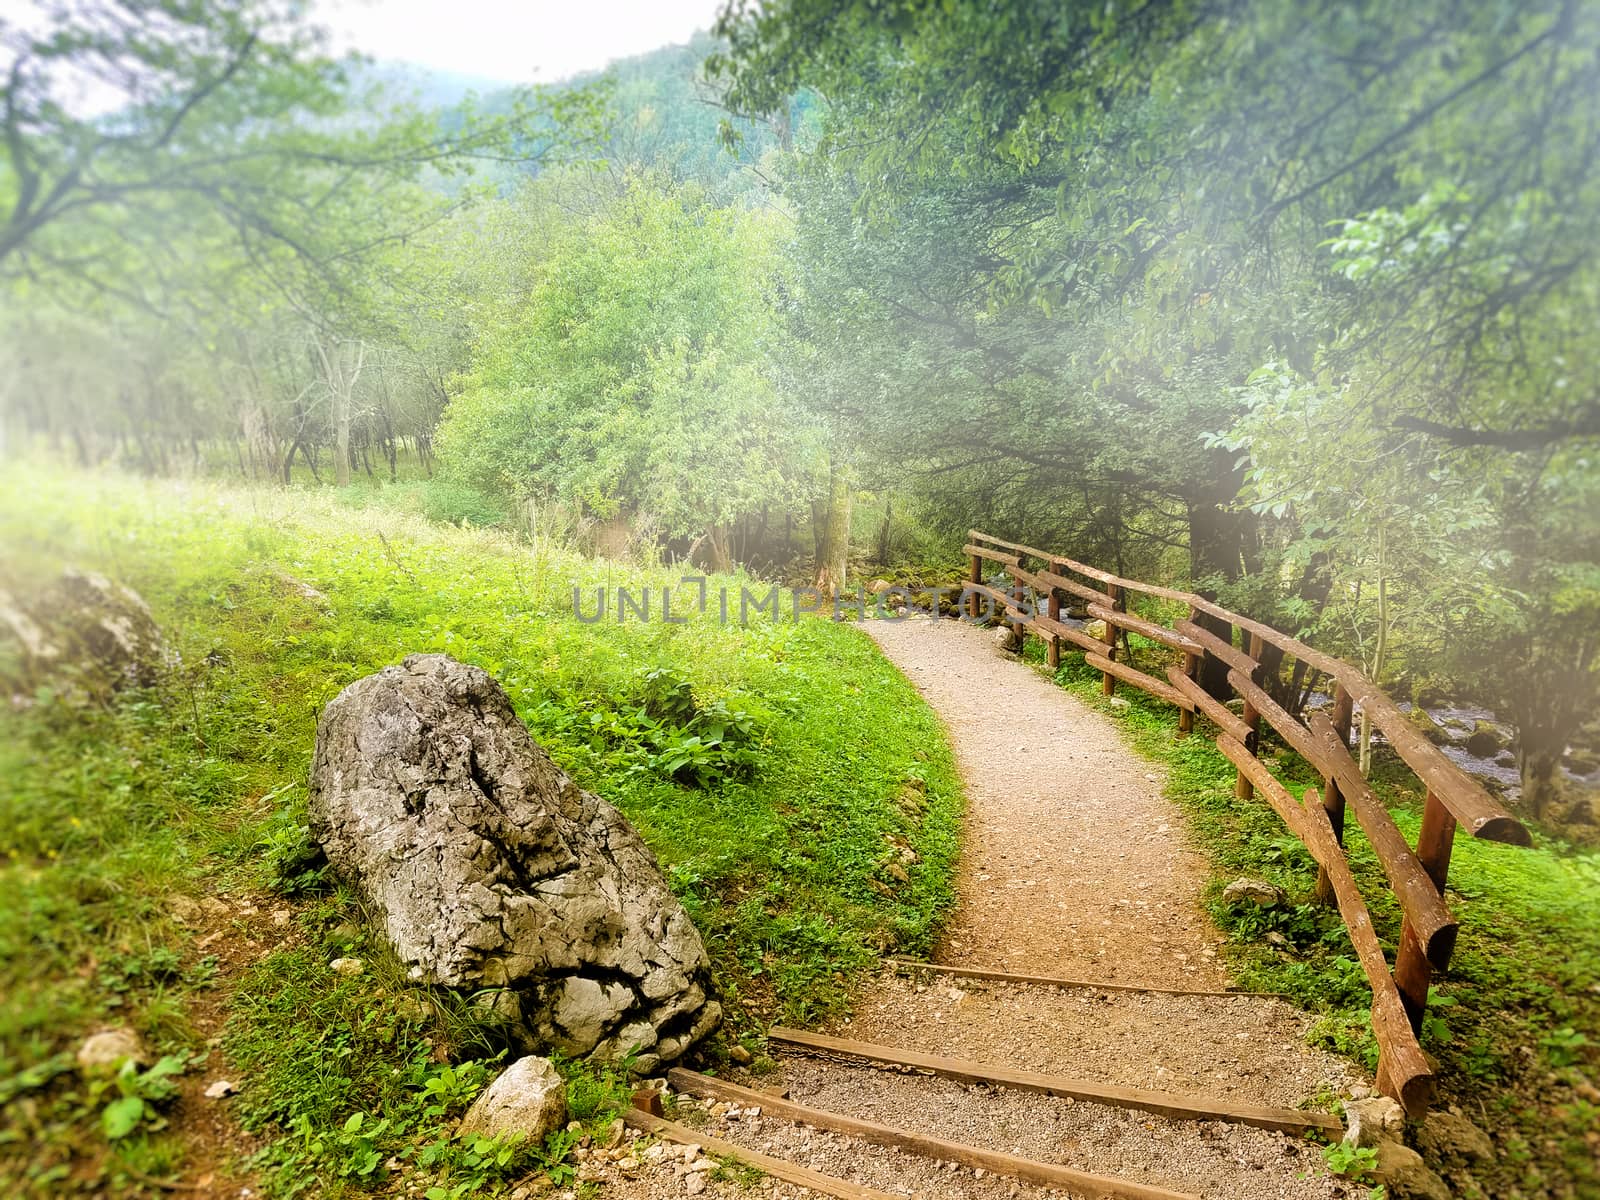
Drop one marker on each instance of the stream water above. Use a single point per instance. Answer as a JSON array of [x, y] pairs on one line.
[[1459, 720]]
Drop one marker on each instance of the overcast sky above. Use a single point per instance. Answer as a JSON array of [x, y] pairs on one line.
[[518, 41]]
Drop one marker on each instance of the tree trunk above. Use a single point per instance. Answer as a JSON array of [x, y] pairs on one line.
[[719, 556], [1539, 767], [341, 370], [341, 439], [1221, 542], [833, 553]]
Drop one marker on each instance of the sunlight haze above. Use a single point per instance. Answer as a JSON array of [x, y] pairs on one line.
[[765, 546], [519, 43]]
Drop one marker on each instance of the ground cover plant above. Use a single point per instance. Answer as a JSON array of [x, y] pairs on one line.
[[158, 872]]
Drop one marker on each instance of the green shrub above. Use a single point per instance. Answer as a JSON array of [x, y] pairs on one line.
[[451, 502]]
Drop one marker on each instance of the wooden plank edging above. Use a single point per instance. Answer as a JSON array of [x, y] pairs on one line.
[[1048, 1174], [1060, 982], [1164, 1104], [778, 1168]]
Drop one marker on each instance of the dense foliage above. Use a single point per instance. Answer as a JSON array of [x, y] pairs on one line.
[[633, 380], [1129, 328]]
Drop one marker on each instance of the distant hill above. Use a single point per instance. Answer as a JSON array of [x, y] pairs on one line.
[[667, 118], [429, 87]]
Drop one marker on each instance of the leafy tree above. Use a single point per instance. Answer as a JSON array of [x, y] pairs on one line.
[[1482, 532], [1155, 179], [632, 382], [131, 126]]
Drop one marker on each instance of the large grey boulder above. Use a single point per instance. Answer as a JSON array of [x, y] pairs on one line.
[[490, 869]]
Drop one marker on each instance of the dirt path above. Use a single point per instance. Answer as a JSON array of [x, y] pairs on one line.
[[1074, 863]]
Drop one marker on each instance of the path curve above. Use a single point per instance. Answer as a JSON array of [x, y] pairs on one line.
[[1073, 861]]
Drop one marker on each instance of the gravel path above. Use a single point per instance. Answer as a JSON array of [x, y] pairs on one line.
[[1246, 1048], [1210, 1159], [1074, 864]]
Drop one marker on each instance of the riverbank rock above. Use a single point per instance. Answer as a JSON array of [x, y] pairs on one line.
[[528, 1101], [1005, 636], [1486, 740], [1431, 729], [491, 872]]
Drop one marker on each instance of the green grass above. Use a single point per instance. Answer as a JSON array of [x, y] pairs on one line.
[[198, 787], [1515, 1025]]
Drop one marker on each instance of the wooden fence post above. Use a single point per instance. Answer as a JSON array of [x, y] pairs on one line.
[[1186, 715], [974, 575], [1052, 609], [1191, 668], [1332, 797], [1243, 789], [1413, 970], [1435, 840], [1114, 601]]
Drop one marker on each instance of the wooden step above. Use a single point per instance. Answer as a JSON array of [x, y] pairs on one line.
[[1046, 1174], [911, 964], [1165, 1104], [778, 1168]]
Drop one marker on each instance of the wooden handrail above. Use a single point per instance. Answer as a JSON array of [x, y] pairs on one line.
[[1467, 800], [1428, 930], [1146, 629]]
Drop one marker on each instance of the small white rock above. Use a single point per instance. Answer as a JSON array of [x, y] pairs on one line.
[[529, 1099], [219, 1089], [111, 1049]]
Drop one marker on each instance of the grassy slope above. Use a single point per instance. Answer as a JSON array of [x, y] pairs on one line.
[[1517, 1037], [199, 788]]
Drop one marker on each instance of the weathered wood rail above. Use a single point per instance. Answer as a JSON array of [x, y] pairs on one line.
[[1206, 632]]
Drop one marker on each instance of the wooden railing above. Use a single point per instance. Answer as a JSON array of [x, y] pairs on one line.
[[1205, 635]]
